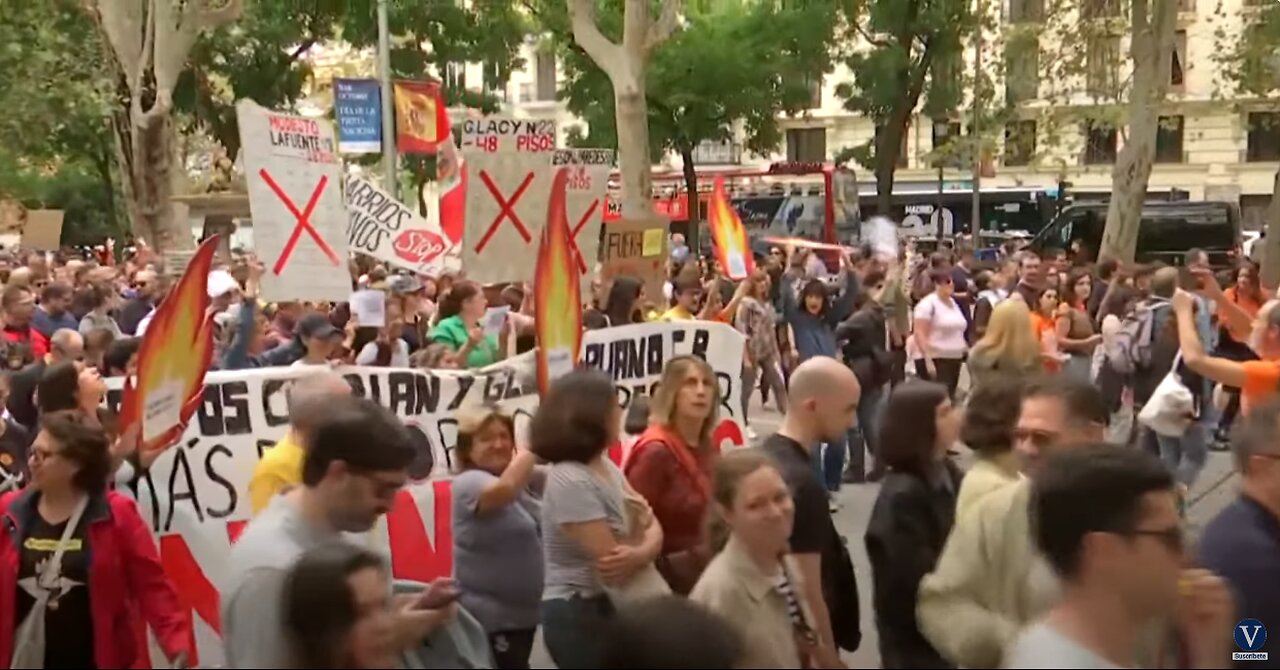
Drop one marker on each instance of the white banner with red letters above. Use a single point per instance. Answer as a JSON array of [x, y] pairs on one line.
[[196, 496]]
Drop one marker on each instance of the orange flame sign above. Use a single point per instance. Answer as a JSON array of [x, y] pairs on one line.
[[173, 359], [557, 292], [729, 235]]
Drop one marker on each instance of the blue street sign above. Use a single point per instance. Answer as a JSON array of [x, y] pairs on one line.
[[358, 107]]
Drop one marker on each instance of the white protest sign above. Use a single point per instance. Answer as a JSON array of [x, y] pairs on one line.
[[493, 319], [392, 232], [510, 182], [584, 202], [369, 307], [196, 496], [295, 196], [505, 135]]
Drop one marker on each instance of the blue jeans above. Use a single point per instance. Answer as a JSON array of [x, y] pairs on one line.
[[1185, 454], [828, 461], [865, 437], [573, 630]]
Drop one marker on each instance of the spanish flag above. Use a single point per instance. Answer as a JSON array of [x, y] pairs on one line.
[[422, 122]]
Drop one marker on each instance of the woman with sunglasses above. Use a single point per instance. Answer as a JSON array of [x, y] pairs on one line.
[[940, 327]]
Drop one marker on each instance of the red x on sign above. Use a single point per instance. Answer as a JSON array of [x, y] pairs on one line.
[[573, 237], [508, 209], [303, 219]]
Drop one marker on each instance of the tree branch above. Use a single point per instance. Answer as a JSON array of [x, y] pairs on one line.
[[872, 40], [210, 17], [582, 14], [666, 24], [302, 49]]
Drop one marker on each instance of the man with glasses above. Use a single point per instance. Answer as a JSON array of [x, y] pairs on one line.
[[1106, 520], [146, 288], [357, 461], [687, 294], [66, 346], [1243, 542], [990, 580]]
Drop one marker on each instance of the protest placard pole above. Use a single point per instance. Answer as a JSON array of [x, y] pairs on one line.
[[388, 103]]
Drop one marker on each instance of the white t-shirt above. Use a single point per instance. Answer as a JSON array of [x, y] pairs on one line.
[[947, 327], [399, 356], [1041, 646]]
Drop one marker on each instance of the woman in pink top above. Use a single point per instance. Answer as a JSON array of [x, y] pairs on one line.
[[940, 326]]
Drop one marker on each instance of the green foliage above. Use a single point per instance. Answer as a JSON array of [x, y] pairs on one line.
[[1249, 61], [56, 145], [734, 62], [914, 51]]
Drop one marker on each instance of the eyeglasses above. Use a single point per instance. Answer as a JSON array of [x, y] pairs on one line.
[[39, 455], [1172, 538]]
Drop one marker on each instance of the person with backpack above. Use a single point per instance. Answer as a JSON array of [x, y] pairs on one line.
[[864, 336]]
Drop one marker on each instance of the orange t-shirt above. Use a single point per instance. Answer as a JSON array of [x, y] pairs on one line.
[[1046, 331], [1250, 307], [1261, 382]]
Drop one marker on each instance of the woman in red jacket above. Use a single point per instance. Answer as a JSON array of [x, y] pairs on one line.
[[671, 466], [86, 554]]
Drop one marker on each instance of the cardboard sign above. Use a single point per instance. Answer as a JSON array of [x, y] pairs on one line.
[[369, 308], [196, 498], [393, 232], [506, 210], [588, 180], [295, 196], [505, 135], [637, 249], [43, 229]]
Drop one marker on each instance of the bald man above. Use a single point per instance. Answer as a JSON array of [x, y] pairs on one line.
[[823, 402], [310, 399]]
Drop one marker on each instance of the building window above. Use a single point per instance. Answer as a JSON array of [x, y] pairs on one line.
[[1103, 55], [807, 145], [1169, 140], [1022, 71], [902, 148], [1019, 142], [1177, 68], [953, 131], [1097, 9], [546, 72], [1026, 11], [815, 92], [1264, 136], [1099, 143]]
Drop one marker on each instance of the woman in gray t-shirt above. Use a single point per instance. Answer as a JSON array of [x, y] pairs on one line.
[[584, 517], [497, 546]]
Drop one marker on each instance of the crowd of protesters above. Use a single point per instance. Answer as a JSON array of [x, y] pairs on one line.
[[1089, 393]]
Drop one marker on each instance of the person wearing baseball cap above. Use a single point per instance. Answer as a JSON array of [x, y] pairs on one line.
[[319, 339]]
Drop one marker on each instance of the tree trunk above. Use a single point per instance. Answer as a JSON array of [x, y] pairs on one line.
[[693, 205], [633, 149], [1151, 50], [146, 175], [1271, 246]]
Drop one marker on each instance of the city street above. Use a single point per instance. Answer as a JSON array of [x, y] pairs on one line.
[[1213, 491]]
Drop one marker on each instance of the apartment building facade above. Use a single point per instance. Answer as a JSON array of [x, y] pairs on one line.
[[1211, 143]]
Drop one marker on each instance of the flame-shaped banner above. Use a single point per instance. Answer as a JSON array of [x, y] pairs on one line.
[[557, 292], [729, 235], [173, 359]]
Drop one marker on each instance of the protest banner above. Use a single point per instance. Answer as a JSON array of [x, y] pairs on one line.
[[636, 249], [196, 495], [422, 122], [508, 161], [505, 135], [295, 187], [43, 229], [357, 105], [392, 232], [584, 203]]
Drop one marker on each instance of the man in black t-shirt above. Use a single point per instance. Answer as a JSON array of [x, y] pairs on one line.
[[824, 397]]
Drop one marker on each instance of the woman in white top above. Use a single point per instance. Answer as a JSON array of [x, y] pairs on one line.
[[388, 349], [940, 327]]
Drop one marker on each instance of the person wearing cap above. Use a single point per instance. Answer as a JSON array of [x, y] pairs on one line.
[[318, 338], [223, 291], [245, 350], [408, 291]]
